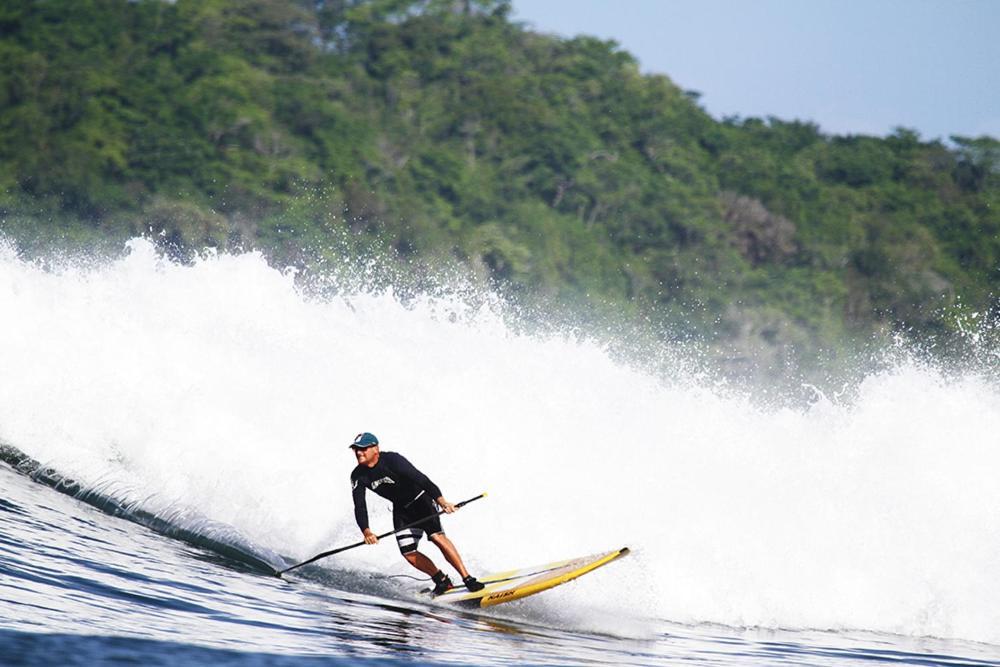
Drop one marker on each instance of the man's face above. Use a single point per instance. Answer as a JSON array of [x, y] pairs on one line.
[[366, 456]]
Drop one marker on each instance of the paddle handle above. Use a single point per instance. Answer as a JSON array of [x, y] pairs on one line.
[[391, 532]]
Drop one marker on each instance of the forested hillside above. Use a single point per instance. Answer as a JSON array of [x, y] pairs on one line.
[[442, 132]]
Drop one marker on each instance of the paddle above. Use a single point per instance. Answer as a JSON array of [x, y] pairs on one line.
[[391, 532]]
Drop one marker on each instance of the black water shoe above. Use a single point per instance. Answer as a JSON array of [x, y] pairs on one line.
[[472, 584], [442, 583]]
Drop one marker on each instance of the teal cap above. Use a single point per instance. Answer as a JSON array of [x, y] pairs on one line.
[[364, 440]]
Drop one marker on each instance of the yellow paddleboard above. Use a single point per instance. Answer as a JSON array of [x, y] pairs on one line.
[[513, 585]]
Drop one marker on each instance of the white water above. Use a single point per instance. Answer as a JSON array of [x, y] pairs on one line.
[[221, 389]]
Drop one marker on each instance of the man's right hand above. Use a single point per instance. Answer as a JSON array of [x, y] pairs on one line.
[[370, 537]]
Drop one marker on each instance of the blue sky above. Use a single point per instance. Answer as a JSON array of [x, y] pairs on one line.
[[852, 67]]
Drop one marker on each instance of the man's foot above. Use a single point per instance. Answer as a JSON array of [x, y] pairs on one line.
[[441, 583], [472, 584]]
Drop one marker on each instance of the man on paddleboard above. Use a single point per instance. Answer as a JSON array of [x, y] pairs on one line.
[[413, 497]]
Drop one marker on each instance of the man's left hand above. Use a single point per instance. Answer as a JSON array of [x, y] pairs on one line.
[[445, 505]]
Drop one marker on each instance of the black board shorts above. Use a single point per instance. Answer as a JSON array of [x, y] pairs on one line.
[[418, 508]]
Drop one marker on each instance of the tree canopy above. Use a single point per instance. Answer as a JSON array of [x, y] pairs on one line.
[[442, 130]]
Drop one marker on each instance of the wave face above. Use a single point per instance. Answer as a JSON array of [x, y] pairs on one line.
[[219, 390]]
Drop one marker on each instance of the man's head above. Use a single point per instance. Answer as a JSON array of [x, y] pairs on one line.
[[365, 448]]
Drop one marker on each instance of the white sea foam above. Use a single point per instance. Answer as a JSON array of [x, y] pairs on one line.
[[219, 387]]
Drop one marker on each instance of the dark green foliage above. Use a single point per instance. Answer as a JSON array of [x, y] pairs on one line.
[[441, 131]]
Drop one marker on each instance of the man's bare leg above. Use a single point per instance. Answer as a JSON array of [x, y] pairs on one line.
[[421, 562], [450, 553]]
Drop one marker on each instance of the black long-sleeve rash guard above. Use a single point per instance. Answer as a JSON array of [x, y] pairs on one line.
[[394, 478]]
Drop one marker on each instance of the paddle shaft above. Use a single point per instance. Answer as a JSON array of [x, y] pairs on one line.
[[391, 532]]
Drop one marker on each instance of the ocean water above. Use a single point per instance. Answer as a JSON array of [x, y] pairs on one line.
[[172, 434]]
